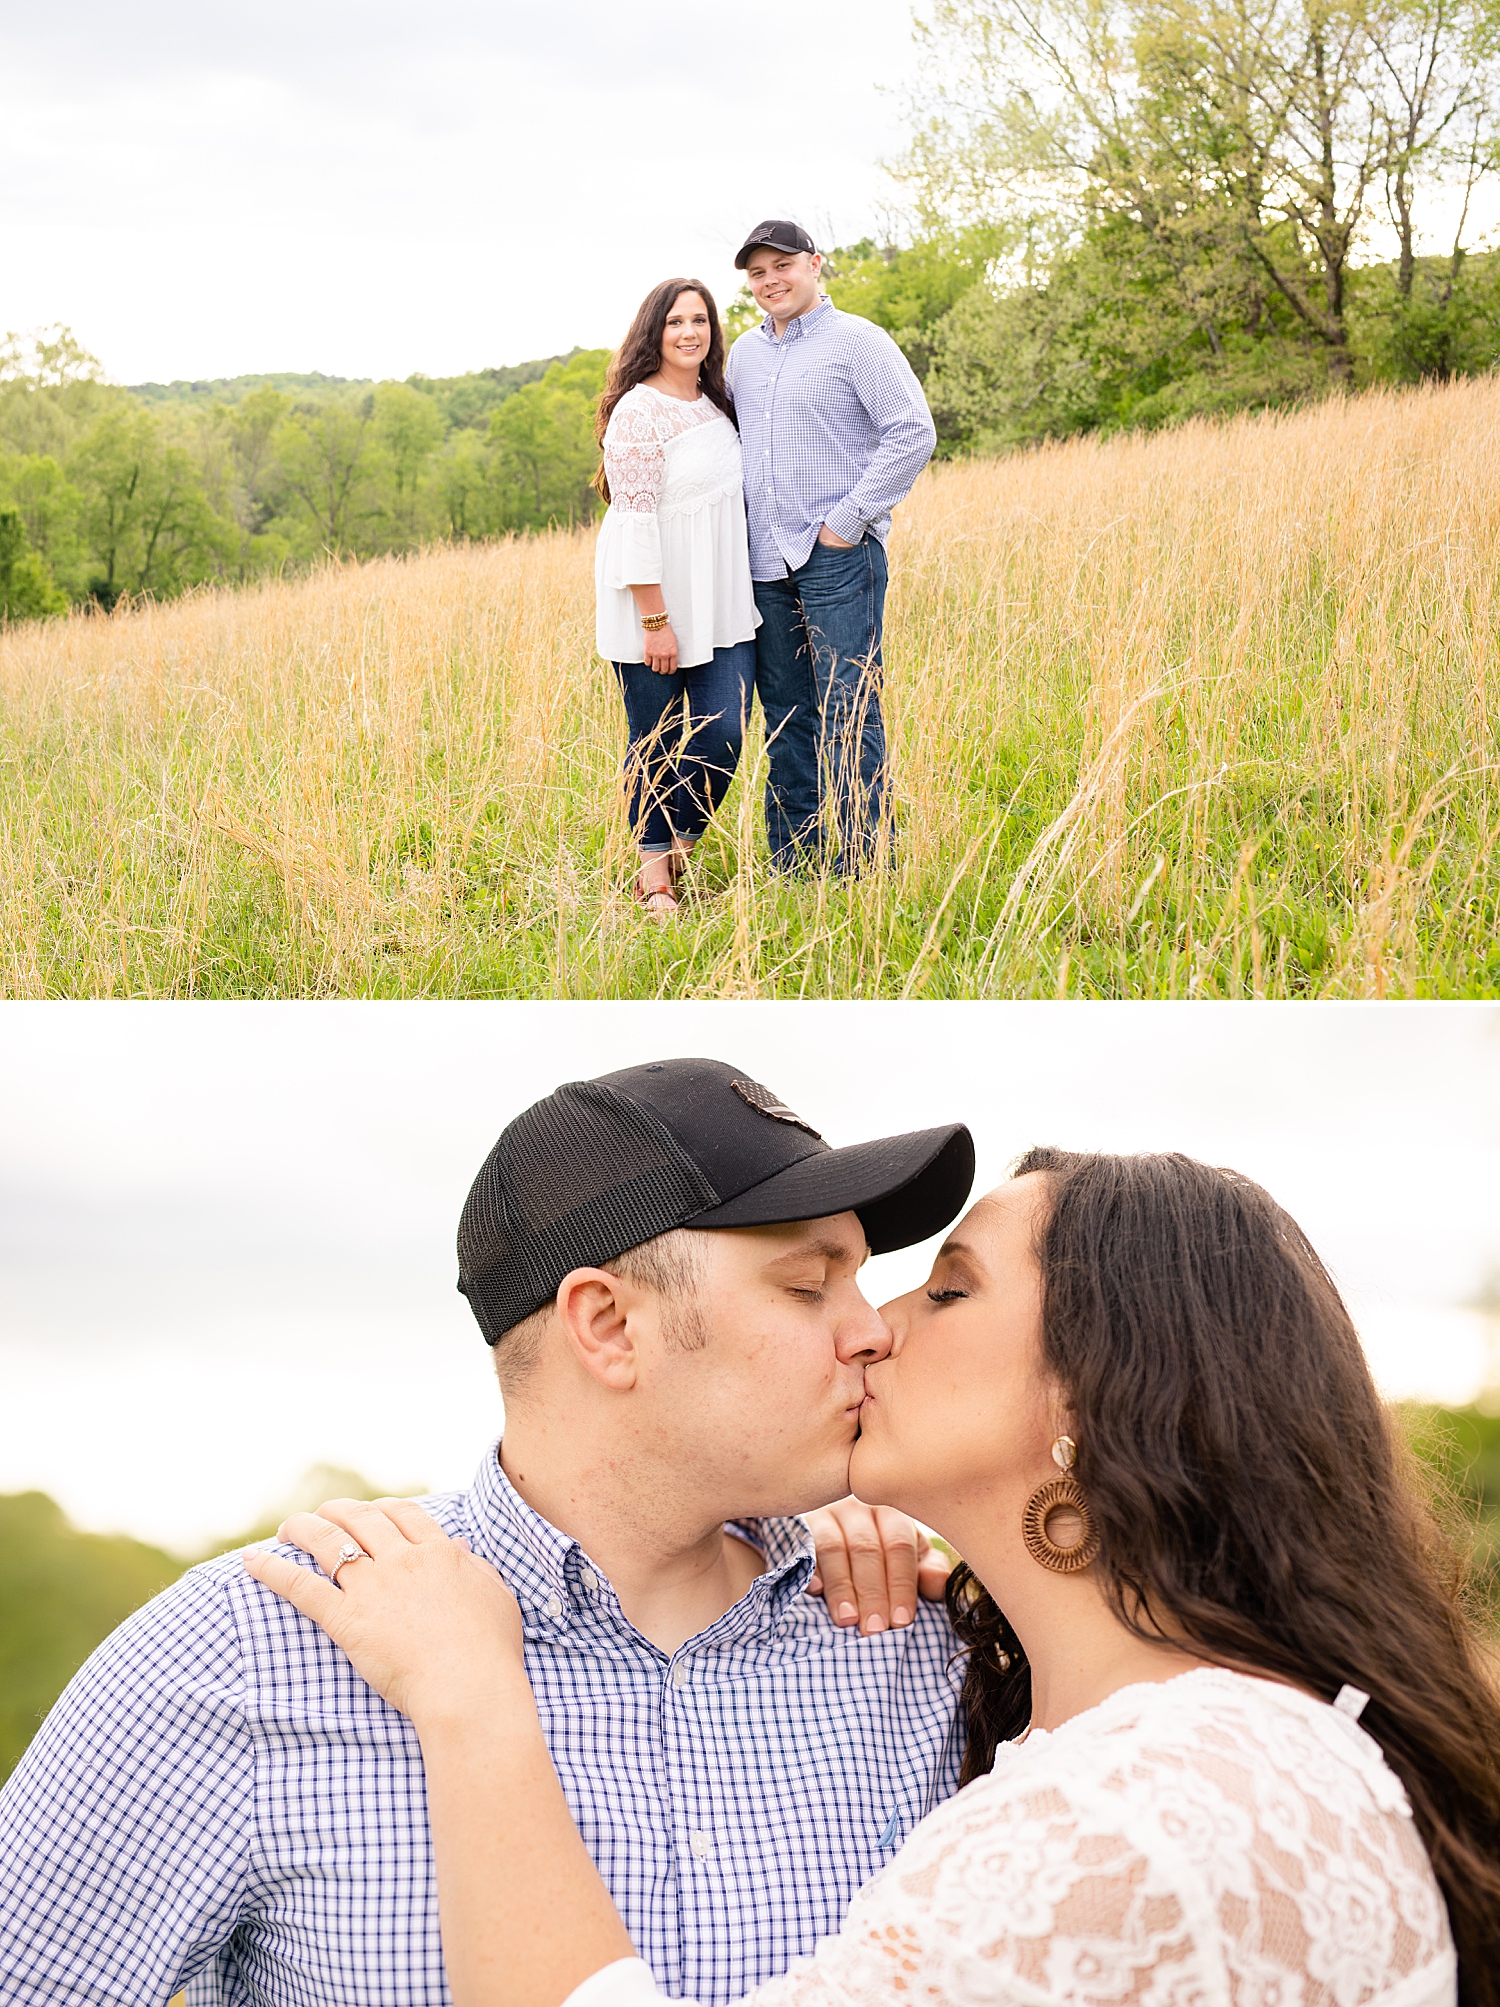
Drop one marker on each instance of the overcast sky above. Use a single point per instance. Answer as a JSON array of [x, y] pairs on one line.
[[370, 190], [226, 1231]]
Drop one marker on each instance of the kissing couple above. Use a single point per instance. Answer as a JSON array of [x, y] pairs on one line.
[[1198, 1718], [743, 551]]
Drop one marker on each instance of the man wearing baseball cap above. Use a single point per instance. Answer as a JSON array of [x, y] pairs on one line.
[[833, 431], [665, 1261]]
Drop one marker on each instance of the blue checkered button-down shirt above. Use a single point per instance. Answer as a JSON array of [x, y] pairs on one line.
[[218, 1799], [833, 429]]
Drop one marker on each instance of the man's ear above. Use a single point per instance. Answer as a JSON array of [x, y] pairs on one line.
[[594, 1309]]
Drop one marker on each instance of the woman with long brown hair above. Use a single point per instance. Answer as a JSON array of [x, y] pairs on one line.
[[1231, 1738], [676, 610]]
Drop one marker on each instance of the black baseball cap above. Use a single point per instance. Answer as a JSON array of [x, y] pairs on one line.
[[603, 1165], [775, 235]]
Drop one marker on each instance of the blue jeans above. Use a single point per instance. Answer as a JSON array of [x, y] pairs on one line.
[[818, 671], [685, 736]]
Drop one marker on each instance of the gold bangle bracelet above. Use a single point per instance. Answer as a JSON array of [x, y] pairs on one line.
[[653, 622]]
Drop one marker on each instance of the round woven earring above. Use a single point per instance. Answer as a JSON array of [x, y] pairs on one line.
[[1056, 1493]]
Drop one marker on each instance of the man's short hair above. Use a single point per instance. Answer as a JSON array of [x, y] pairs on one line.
[[671, 1265]]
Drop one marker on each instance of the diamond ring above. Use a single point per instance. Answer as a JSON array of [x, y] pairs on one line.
[[347, 1553]]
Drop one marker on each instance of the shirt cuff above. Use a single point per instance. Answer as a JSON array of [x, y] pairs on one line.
[[629, 1982], [846, 522]]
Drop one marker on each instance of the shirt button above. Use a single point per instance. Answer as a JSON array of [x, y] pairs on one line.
[[554, 1607], [681, 1673], [701, 1844], [589, 1579]]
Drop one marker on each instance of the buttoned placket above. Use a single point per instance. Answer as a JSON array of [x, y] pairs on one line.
[[772, 508], [684, 1747]]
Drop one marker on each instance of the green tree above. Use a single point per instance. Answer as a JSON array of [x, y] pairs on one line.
[[410, 427], [325, 451], [234, 444], [145, 516], [1445, 323], [51, 389], [466, 473], [544, 448], [909, 290], [740, 315], [50, 508], [27, 588]]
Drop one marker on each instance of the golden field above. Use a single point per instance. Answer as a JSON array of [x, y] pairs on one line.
[[1206, 713]]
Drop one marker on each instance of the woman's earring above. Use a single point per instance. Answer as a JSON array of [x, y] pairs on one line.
[[1060, 1494]]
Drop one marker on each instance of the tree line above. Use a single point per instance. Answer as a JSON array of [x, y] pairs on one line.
[[108, 492]]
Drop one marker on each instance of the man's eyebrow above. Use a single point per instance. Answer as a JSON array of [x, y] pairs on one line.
[[831, 1250]]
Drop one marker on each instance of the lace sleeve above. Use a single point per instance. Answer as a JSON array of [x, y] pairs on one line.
[[1207, 1843], [635, 459]]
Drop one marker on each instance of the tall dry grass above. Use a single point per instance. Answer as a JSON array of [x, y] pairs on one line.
[[1209, 713]]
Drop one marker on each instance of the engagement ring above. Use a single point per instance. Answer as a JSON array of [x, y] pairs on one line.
[[347, 1553]]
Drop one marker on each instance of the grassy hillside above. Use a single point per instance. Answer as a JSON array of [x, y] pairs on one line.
[[1210, 713]]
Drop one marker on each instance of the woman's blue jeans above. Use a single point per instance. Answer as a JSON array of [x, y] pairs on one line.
[[819, 675], [686, 731]]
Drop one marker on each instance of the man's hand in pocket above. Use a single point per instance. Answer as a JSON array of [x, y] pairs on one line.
[[826, 536]]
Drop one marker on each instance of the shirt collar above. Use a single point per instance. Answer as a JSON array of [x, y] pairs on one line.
[[545, 1569], [804, 324]]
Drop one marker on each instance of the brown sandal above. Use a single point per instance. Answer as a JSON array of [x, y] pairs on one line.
[[660, 901]]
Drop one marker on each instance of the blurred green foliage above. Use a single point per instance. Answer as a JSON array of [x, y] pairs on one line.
[[62, 1592], [108, 493], [1459, 1449]]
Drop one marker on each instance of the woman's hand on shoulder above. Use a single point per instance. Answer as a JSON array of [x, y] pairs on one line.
[[873, 1563], [428, 1624]]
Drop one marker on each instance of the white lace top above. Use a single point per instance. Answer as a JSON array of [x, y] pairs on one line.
[[676, 518], [1213, 1841]]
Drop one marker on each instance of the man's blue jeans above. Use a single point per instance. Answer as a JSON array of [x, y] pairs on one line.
[[685, 736], [818, 671]]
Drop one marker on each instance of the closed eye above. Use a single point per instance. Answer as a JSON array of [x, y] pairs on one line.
[[947, 1295]]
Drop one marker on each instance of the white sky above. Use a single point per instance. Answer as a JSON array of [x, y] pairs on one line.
[[226, 1230], [202, 190]]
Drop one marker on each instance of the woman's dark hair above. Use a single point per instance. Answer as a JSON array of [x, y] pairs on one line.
[[1249, 1491], [639, 356]]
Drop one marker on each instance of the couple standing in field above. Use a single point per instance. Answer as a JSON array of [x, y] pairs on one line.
[[744, 549]]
